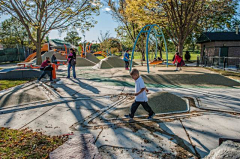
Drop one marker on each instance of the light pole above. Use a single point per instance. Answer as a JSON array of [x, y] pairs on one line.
[[84, 45]]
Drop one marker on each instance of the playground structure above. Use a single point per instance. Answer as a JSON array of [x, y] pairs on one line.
[[104, 54], [33, 55], [83, 51], [149, 29]]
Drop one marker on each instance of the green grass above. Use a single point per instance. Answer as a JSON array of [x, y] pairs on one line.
[[27, 144], [5, 84], [138, 56], [100, 57]]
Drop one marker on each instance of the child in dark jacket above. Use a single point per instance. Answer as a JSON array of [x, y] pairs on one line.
[[71, 63], [46, 68]]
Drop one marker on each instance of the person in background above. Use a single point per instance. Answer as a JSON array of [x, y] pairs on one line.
[[126, 59], [46, 68], [54, 59], [187, 56], [179, 60], [71, 63]]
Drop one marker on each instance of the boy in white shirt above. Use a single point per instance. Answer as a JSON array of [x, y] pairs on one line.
[[140, 96]]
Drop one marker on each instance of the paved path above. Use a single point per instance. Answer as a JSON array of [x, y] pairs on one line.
[[82, 103]]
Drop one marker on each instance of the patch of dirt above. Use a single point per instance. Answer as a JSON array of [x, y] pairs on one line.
[[191, 102]]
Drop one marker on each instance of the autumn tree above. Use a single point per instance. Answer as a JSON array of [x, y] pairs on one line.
[[178, 18], [47, 15], [128, 29]]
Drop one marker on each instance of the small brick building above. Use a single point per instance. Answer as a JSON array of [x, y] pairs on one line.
[[220, 44]]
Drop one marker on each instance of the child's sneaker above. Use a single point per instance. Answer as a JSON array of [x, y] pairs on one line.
[[151, 116], [128, 116]]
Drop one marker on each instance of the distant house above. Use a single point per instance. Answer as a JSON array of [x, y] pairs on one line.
[[220, 48], [222, 44]]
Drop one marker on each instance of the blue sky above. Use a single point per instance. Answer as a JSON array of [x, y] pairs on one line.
[[105, 23]]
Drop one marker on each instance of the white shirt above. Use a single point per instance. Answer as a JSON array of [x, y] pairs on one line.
[[139, 84]]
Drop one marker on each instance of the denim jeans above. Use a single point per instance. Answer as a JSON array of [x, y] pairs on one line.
[[73, 68], [145, 105], [49, 73], [126, 64]]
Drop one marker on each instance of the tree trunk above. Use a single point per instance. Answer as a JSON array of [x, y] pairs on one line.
[[38, 45], [180, 48], [160, 49], [143, 49]]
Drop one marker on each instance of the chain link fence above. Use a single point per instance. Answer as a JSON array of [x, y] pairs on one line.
[[14, 54]]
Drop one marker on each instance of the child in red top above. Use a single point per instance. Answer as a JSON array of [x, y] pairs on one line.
[[46, 69], [179, 60]]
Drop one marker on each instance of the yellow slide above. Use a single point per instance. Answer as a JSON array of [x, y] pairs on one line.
[[155, 62], [104, 54], [33, 55]]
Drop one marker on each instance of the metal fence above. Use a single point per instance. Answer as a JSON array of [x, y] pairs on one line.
[[221, 62], [13, 54]]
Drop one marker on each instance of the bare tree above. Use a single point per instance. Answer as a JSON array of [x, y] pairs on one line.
[[47, 15]]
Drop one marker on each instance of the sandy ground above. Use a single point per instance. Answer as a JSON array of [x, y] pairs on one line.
[[82, 105]]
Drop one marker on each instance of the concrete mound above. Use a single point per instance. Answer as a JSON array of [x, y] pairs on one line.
[[50, 54], [164, 102], [84, 62], [92, 58], [111, 62], [22, 95], [228, 149], [20, 74], [160, 102]]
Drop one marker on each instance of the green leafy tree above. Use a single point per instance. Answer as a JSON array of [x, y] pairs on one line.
[[179, 18], [47, 15], [12, 32], [73, 38], [128, 29]]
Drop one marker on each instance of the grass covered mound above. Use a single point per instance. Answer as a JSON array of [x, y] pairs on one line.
[[160, 102], [27, 144]]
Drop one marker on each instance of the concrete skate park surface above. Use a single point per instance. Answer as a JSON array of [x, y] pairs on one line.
[[14, 73], [111, 62], [81, 106]]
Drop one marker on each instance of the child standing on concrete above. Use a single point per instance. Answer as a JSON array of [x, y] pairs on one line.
[[140, 96], [126, 59]]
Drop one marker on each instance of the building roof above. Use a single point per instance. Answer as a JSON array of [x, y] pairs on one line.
[[60, 43], [218, 36]]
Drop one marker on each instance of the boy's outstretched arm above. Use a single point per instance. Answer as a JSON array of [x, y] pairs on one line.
[[143, 89]]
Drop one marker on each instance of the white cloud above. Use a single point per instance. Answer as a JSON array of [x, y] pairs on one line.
[[107, 9], [96, 3]]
